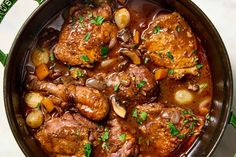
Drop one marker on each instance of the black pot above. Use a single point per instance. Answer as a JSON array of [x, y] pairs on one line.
[[214, 46]]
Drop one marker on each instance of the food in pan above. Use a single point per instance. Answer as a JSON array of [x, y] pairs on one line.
[[117, 79]]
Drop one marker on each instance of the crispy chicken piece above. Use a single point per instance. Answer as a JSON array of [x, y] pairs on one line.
[[85, 31], [65, 136], [90, 102], [136, 83], [170, 42], [167, 127]]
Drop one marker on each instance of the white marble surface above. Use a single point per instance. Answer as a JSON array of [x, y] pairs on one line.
[[221, 12]]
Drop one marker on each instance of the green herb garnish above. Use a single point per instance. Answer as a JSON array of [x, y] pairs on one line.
[[185, 122], [177, 28], [203, 86], [191, 126], [80, 73], [146, 60], [105, 136], [141, 84], [52, 56], [208, 117], [195, 52], [157, 30], [87, 150], [135, 113], [87, 36], [173, 130], [171, 71], [122, 137], [116, 87], [143, 115], [181, 136], [104, 51], [38, 106], [97, 20], [199, 66], [85, 58], [169, 55], [140, 117]]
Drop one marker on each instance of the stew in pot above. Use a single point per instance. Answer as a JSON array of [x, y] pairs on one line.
[[118, 79]]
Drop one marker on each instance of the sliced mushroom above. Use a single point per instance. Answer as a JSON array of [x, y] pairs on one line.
[[124, 35], [94, 83], [119, 110], [132, 55]]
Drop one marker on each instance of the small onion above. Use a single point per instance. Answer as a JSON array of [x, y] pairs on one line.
[[109, 62], [34, 119], [40, 56], [183, 97], [32, 99], [122, 18]]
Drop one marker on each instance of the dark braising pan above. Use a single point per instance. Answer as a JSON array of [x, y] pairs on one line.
[[216, 52]]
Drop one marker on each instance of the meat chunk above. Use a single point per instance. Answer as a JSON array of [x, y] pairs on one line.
[[65, 136], [137, 82], [167, 127], [170, 43], [115, 147], [84, 33], [90, 102]]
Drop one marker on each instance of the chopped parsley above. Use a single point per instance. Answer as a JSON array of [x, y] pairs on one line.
[[199, 66], [173, 130], [135, 113], [146, 60], [171, 71], [104, 51], [177, 28], [98, 20], [38, 106], [116, 87], [140, 117], [105, 136], [122, 137], [203, 85], [81, 19], [208, 117], [191, 126], [52, 56], [157, 30], [80, 73], [169, 55], [87, 36], [187, 112], [143, 115], [85, 58], [141, 84], [185, 122], [181, 136], [87, 150], [195, 52]]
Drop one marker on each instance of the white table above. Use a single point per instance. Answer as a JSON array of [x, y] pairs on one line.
[[221, 12]]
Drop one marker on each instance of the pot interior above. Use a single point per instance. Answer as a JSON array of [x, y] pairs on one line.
[[211, 41]]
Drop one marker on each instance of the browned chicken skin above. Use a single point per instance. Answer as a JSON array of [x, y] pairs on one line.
[[65, 136], [171, 43], [90, 102], [129, 80], [167, 128], [80, 40]]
